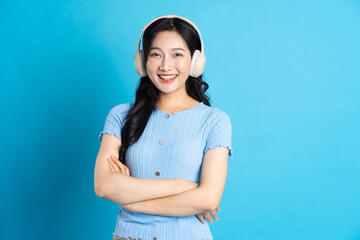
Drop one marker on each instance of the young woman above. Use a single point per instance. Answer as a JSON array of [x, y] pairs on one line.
[[163, 159]]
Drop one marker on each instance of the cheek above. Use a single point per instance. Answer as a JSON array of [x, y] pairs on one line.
[[185, 65], [150, 67]]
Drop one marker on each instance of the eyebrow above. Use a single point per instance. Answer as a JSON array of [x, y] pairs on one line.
[[171, 49]]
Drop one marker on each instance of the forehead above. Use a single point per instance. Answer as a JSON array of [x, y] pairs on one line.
[[165, 40]]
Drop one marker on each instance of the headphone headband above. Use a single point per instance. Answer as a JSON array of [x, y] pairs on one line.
[[171, 16]]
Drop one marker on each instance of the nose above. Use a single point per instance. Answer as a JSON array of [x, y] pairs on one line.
[[165, 64]]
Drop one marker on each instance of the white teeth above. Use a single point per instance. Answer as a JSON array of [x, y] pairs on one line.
[[167, 77]]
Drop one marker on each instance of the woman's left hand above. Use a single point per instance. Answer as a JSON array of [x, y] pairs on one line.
[[117, 167], [207, 215]]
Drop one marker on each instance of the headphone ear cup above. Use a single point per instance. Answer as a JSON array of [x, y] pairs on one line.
[[198, 61], [139, 63]]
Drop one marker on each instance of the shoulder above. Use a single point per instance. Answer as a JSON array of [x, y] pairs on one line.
[[214, 114], [118, 112], [121, 109]]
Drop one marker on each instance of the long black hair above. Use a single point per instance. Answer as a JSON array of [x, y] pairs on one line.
[[147, 93]]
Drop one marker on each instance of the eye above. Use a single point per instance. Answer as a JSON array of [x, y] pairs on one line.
[[178, 55], [154, 55]]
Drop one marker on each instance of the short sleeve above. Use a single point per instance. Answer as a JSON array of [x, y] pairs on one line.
[[220, 131], [114, 121]]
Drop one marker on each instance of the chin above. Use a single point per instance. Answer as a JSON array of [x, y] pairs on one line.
[[167, 90]]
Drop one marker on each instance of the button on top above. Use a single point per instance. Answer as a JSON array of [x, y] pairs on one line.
[[161, 142], [157, 174], [167, 115]]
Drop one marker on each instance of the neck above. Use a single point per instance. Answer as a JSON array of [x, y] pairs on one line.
[[175, 102]]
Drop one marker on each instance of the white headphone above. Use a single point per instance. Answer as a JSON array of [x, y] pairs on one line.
[[198, 59]]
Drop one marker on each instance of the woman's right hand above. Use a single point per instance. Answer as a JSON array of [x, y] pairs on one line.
[[117, 167], [207, 215], [188, 185]]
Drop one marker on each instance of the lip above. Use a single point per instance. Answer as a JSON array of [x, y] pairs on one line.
[[169, 80]]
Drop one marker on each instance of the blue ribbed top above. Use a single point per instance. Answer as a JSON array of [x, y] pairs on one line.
[[172, 146]]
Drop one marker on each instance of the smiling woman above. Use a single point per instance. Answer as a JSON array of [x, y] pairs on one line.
[[168, 145], [169, 59]]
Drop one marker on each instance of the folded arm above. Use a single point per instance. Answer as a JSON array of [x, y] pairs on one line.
[[123, 189], [206, 197]]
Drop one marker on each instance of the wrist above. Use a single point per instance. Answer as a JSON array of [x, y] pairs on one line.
[[129, 207]]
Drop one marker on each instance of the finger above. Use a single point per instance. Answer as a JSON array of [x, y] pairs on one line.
[[208, 217], [111, 168], [218, 208], [201, 218], [124, 169], [127, 171], [110, 165], [111, 162], [214, 215], [119, 164]]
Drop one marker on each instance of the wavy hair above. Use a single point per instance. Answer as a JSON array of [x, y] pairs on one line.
[[147, 93]]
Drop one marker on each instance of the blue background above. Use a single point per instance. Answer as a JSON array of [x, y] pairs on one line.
[[286, 72]]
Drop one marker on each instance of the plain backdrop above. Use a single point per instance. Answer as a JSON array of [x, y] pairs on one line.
[[286, 72]]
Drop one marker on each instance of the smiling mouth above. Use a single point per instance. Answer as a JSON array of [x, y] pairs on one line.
[[168, 77]]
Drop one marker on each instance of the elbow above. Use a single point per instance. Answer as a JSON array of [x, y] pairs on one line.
[[213, 201], [212, 204], [98, 191], [105, 191], [99, 187], [99, 194]]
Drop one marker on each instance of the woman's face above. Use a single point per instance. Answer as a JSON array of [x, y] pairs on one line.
[[169, 61]]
